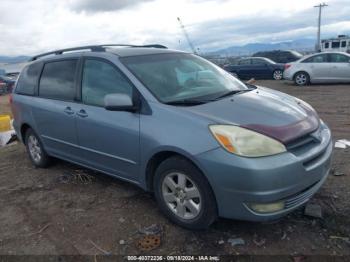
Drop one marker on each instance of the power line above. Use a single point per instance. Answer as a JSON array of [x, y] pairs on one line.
[[187, 36], [318, 44]]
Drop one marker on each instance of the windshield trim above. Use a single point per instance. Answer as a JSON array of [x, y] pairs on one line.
[[121, 59]]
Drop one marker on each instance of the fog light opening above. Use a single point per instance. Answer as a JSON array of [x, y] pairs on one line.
[[267, 208]]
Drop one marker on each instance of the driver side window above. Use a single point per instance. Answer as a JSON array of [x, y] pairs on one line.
[[100, 79]]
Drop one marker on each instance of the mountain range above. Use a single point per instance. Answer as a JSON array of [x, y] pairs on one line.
[[304, 44], [301, 45], [13, 59]]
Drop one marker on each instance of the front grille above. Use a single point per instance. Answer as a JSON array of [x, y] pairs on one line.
[[305, 143], [302, 196], [300, 142]]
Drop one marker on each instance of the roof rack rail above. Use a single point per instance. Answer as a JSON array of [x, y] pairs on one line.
[[146, 46], [93, 48]]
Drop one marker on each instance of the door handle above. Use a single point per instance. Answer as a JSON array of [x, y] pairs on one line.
[[82, 113], [68, 110]]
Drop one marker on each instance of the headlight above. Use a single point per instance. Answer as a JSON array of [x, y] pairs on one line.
[[244, 142]]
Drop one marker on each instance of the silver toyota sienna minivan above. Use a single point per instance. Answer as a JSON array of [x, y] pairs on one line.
[[204, 142]]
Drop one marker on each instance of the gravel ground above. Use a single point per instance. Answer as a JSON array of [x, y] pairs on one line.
[[68, 210]]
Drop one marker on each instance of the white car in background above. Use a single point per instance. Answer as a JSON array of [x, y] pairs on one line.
[[326, 67]]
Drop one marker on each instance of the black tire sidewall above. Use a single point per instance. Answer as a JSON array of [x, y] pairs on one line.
[[307, 78], [45, 159], [208, 213]]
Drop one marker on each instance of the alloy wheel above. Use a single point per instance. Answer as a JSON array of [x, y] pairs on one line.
[[277, 75], [34, 148], [181, 195], [301, 79]]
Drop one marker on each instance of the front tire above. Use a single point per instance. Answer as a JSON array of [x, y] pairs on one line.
[[184, 194], [35, 149], [301, 79]]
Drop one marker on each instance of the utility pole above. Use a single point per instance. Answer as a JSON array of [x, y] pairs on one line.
[[318, 44], [187, 37]]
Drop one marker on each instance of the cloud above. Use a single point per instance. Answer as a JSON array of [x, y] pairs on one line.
[[34, 26], [103, 5], [263, 27]]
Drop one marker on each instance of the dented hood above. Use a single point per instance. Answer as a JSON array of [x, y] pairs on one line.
[[263, 110]]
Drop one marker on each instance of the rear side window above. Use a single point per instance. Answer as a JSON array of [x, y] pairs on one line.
[[28, 79], [100, 79], [57, 80], [244, 62], [258, 62], [316, 59]]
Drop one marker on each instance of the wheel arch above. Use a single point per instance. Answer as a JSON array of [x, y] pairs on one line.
[[158, 157], [23, 130]]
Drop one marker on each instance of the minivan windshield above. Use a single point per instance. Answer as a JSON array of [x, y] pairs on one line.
[[176, 77]]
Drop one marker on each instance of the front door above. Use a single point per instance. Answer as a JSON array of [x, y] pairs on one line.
[[340, 67], [109, 140], [319, 68]]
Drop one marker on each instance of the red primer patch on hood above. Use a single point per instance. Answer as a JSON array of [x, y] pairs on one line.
[[288, 133]]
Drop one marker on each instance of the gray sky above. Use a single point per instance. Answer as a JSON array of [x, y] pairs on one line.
[[34, 26]]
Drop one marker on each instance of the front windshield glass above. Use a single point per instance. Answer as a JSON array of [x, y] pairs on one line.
[[176, 76]]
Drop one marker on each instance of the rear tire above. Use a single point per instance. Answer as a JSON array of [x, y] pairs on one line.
[[277, 75], [301, 79], [184, 194], [35, 149]]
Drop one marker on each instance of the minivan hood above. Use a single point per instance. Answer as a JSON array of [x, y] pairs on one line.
[[263, 110]]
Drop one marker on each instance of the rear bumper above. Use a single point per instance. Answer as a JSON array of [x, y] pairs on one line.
[[288, 75], [17, 130], [289, 177]]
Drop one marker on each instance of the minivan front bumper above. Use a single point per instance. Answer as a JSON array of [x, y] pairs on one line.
[[291, 178]]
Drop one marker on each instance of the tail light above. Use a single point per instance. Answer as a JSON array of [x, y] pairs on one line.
[[10, 98], [286, 66], [10, 89]]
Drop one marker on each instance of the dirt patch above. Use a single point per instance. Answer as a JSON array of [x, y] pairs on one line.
[[70, 210]]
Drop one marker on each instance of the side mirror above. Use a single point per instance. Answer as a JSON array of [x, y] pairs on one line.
[[119, 102]]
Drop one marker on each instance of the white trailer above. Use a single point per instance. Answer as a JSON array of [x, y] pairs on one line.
[[341, 44]]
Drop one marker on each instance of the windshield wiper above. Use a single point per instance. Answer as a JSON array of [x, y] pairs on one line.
[[234, 92], [188, 102], [230, 93]]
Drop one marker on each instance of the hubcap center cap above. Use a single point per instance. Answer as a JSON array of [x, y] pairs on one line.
[[180, 194]]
